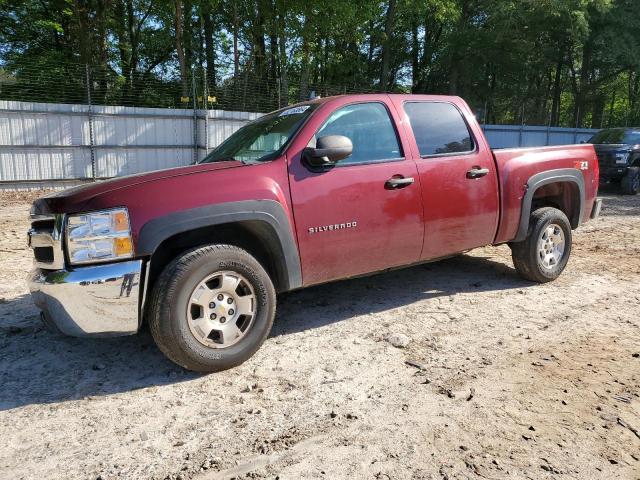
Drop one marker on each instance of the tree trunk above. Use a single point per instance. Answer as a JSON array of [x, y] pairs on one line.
[[259, 47], [580, 104], [370, 48], [209, 45], [133, 40], [236, 54], [84, 34], [415, 57], [305, 67], [181, 60], [386, 46], [457, 57], [187, 33], [273, 49], [557, 91], [124, 47], [597, 112], [284, 80]]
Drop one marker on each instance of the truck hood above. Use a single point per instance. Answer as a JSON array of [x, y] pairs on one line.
[[73, 199], [612, 147], [608, 153]]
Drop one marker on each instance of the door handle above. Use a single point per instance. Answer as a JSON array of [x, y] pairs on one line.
[[477, 172], [395, 183]]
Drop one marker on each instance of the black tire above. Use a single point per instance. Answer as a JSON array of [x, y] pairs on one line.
[[525, 254], [168, 308], [630, 183]]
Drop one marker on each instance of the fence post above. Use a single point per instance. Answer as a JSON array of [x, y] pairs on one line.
[[195, 118], [90, 115], [548, 130], [521, 131]]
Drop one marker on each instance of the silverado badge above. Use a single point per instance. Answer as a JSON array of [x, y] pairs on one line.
[[335, 226]]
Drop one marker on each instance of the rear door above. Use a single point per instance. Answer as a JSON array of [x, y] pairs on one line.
[[458, 177], [349, 219]]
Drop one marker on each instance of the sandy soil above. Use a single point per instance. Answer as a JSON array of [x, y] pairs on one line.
[[501, 379]]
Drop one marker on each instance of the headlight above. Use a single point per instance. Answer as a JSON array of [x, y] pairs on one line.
[[622, 157], [99, 236]]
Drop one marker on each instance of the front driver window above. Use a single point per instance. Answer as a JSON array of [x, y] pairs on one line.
[[369, 128]]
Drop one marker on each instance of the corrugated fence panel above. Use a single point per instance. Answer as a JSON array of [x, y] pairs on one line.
[[509, 136], [40, 141], [43, 141]]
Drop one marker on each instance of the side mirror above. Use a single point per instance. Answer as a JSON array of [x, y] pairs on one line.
[[328, 151]]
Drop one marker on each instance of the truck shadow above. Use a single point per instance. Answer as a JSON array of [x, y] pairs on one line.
[[334, 302], [39, 367]]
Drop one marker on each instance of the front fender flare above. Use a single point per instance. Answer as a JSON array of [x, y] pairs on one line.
[[159, 229]]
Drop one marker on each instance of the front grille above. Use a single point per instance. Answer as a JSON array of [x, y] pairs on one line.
[[45, 238], [606, 158]]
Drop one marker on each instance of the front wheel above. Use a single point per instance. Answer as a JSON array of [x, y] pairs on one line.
[[544, 254], [212, 308]]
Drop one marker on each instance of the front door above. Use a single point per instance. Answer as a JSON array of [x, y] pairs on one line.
[[354, 218]]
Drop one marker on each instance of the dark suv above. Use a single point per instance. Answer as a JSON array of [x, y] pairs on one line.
[[618, 151]]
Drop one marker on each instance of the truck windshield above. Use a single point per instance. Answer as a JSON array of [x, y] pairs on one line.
[[617, 136], [262, 139]]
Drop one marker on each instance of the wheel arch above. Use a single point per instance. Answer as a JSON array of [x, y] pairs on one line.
[[259, 226], [560, 188]]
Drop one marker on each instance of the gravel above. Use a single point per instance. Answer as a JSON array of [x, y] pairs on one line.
[[330, 395]]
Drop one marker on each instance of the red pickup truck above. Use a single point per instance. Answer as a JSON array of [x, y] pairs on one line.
[[320, 191]]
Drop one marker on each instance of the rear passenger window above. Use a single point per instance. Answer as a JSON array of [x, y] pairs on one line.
[[439, 128], [370, 130]]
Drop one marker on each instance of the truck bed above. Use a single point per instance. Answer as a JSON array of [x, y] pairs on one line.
[[516, 166]]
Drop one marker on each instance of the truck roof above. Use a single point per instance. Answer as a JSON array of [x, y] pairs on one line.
[[380, 96]]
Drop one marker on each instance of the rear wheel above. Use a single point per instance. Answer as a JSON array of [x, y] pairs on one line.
[[630, 183], [212, 308], [544, 254]]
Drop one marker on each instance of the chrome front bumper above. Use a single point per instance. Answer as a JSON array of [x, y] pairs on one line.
[[100, 300]]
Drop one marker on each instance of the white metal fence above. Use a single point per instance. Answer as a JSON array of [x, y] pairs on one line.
[[507, 136], [43, 144], [46, 143]]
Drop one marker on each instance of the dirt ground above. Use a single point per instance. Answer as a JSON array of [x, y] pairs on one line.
[[501, 379]]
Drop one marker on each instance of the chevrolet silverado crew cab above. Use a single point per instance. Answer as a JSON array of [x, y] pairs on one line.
[[618, 151], [320, 191]]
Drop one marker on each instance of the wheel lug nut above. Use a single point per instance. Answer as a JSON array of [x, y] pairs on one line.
[[213, 316], [229, 300], [231, 312], [220, 297], [212, 305], [223, 319]]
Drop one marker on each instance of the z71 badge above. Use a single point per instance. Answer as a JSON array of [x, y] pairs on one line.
[[335, 226], [580, 165]]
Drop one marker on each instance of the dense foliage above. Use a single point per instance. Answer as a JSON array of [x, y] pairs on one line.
[[558, 62]]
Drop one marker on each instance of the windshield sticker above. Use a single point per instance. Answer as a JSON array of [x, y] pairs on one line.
[[294, 110]]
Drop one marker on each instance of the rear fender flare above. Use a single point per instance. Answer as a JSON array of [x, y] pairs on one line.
[[159, 229], [545, 178]]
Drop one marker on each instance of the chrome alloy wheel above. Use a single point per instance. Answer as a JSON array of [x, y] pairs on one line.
[[551, 246], [221, 309]]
